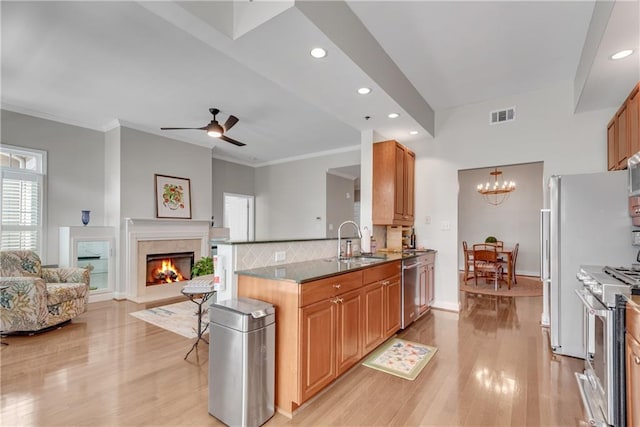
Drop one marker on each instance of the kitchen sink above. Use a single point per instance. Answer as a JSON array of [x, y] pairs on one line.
[[357, 260]]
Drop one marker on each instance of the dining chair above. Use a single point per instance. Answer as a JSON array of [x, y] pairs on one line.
[[468, 261], [514, 257], [485, 262]]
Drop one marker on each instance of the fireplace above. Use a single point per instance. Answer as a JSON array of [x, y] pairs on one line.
[[159, 236], [166, 268]]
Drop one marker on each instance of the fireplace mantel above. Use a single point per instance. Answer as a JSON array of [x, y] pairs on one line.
[[152, 229]]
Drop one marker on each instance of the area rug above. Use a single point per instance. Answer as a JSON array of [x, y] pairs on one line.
[[404, 359], [180, 318], [527, 286]]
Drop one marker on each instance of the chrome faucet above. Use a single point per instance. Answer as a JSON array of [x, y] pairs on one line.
[[340, 231]]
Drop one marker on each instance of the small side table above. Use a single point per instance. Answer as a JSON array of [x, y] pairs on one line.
[[198, 298]]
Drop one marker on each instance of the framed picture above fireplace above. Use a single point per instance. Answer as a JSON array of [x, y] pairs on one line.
[[173, 197]]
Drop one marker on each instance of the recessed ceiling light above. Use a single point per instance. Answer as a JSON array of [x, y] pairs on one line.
[[393, 115], [318, 52], [413, 132], [364, 91], [622, 54]]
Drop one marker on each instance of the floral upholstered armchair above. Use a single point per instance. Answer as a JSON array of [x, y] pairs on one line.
[[37, 298]]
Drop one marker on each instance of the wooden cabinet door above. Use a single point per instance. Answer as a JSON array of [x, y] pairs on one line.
[[393, 201], [633, 380], [409, 187], [612, 145], [400, 179], [372, 315], [318, 346], [431, 280], [622, 137], [423, 297], [349, 343], [392, 305], [633, 121]]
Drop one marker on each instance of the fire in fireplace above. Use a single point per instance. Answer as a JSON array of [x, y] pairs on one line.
[[169, 267]]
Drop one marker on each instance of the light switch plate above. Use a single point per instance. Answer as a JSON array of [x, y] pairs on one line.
[[281, 256]]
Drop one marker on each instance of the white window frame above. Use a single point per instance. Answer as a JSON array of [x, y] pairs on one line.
[[40, 176]]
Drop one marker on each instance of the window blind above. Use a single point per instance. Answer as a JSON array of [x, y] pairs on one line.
[[21, 210]]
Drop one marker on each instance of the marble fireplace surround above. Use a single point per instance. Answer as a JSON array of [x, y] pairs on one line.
[[147, 236]]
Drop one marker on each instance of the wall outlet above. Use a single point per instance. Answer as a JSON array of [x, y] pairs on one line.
[[445, 225], [281, 256]]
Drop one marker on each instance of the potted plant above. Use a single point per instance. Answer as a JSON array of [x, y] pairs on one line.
[[491, 239], [202, 267]]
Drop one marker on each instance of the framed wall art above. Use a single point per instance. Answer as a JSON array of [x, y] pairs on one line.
[[173, 197]]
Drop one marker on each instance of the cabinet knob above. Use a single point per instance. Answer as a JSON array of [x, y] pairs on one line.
[[340, 300], [385, 283], [334, 300], [337, 285]]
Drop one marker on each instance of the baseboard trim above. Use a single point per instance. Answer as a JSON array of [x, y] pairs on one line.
[[446, 306]]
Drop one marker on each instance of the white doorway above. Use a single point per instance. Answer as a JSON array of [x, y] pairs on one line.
[[239, 216]]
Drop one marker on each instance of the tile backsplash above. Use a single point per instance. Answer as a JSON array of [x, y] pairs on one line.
[[254, 255]]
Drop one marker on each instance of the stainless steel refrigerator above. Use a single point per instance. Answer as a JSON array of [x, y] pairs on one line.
[[587, 223]]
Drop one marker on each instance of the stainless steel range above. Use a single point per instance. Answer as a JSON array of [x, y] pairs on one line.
[[602, 383], [607, 282]]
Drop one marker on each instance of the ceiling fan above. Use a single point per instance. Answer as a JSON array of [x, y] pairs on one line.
[[214, 129]]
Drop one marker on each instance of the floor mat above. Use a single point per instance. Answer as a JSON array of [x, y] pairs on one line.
[[401, 358]]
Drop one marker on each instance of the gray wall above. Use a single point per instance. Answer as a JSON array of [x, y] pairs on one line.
[[290, 197], [75, 171], [340, 198], [229, 178], [143, 155], [514, 221]]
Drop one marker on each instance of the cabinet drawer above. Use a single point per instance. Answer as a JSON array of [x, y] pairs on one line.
[[326, 288], [428, 258], [384, 271], [633, 321]]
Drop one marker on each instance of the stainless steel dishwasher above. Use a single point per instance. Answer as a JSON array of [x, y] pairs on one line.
[[410, 282]]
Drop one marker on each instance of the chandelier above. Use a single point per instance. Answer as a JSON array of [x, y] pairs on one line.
[[497, 192]]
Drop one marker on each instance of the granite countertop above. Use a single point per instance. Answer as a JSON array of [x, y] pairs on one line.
[[307, 271]]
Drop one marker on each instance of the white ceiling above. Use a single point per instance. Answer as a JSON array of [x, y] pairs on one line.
[[148, 65]]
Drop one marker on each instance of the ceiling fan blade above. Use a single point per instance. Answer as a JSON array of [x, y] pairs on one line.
[[231, 121], [233, 141], [202, 128]]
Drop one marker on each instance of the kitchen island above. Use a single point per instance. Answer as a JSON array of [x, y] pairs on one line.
[[329, 315]]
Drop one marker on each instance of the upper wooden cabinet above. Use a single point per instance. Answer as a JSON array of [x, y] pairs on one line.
[[633, 120], [623, 135], [393, 184]]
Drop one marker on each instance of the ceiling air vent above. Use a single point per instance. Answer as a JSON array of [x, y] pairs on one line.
[[502, 116]]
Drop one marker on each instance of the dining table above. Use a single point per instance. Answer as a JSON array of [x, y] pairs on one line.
[[504, 252]]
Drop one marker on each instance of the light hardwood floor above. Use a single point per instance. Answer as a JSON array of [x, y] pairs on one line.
[[107, 368]]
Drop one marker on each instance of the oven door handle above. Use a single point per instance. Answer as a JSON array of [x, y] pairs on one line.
[[582, 294], [583, 386]]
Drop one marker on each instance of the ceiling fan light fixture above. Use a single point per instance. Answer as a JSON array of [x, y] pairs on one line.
[[215, 130], [621, 54]]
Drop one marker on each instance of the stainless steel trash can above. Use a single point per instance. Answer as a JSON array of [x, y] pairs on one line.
[[241, 361]]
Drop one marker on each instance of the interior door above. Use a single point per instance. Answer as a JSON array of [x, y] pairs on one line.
[[239, 216]]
